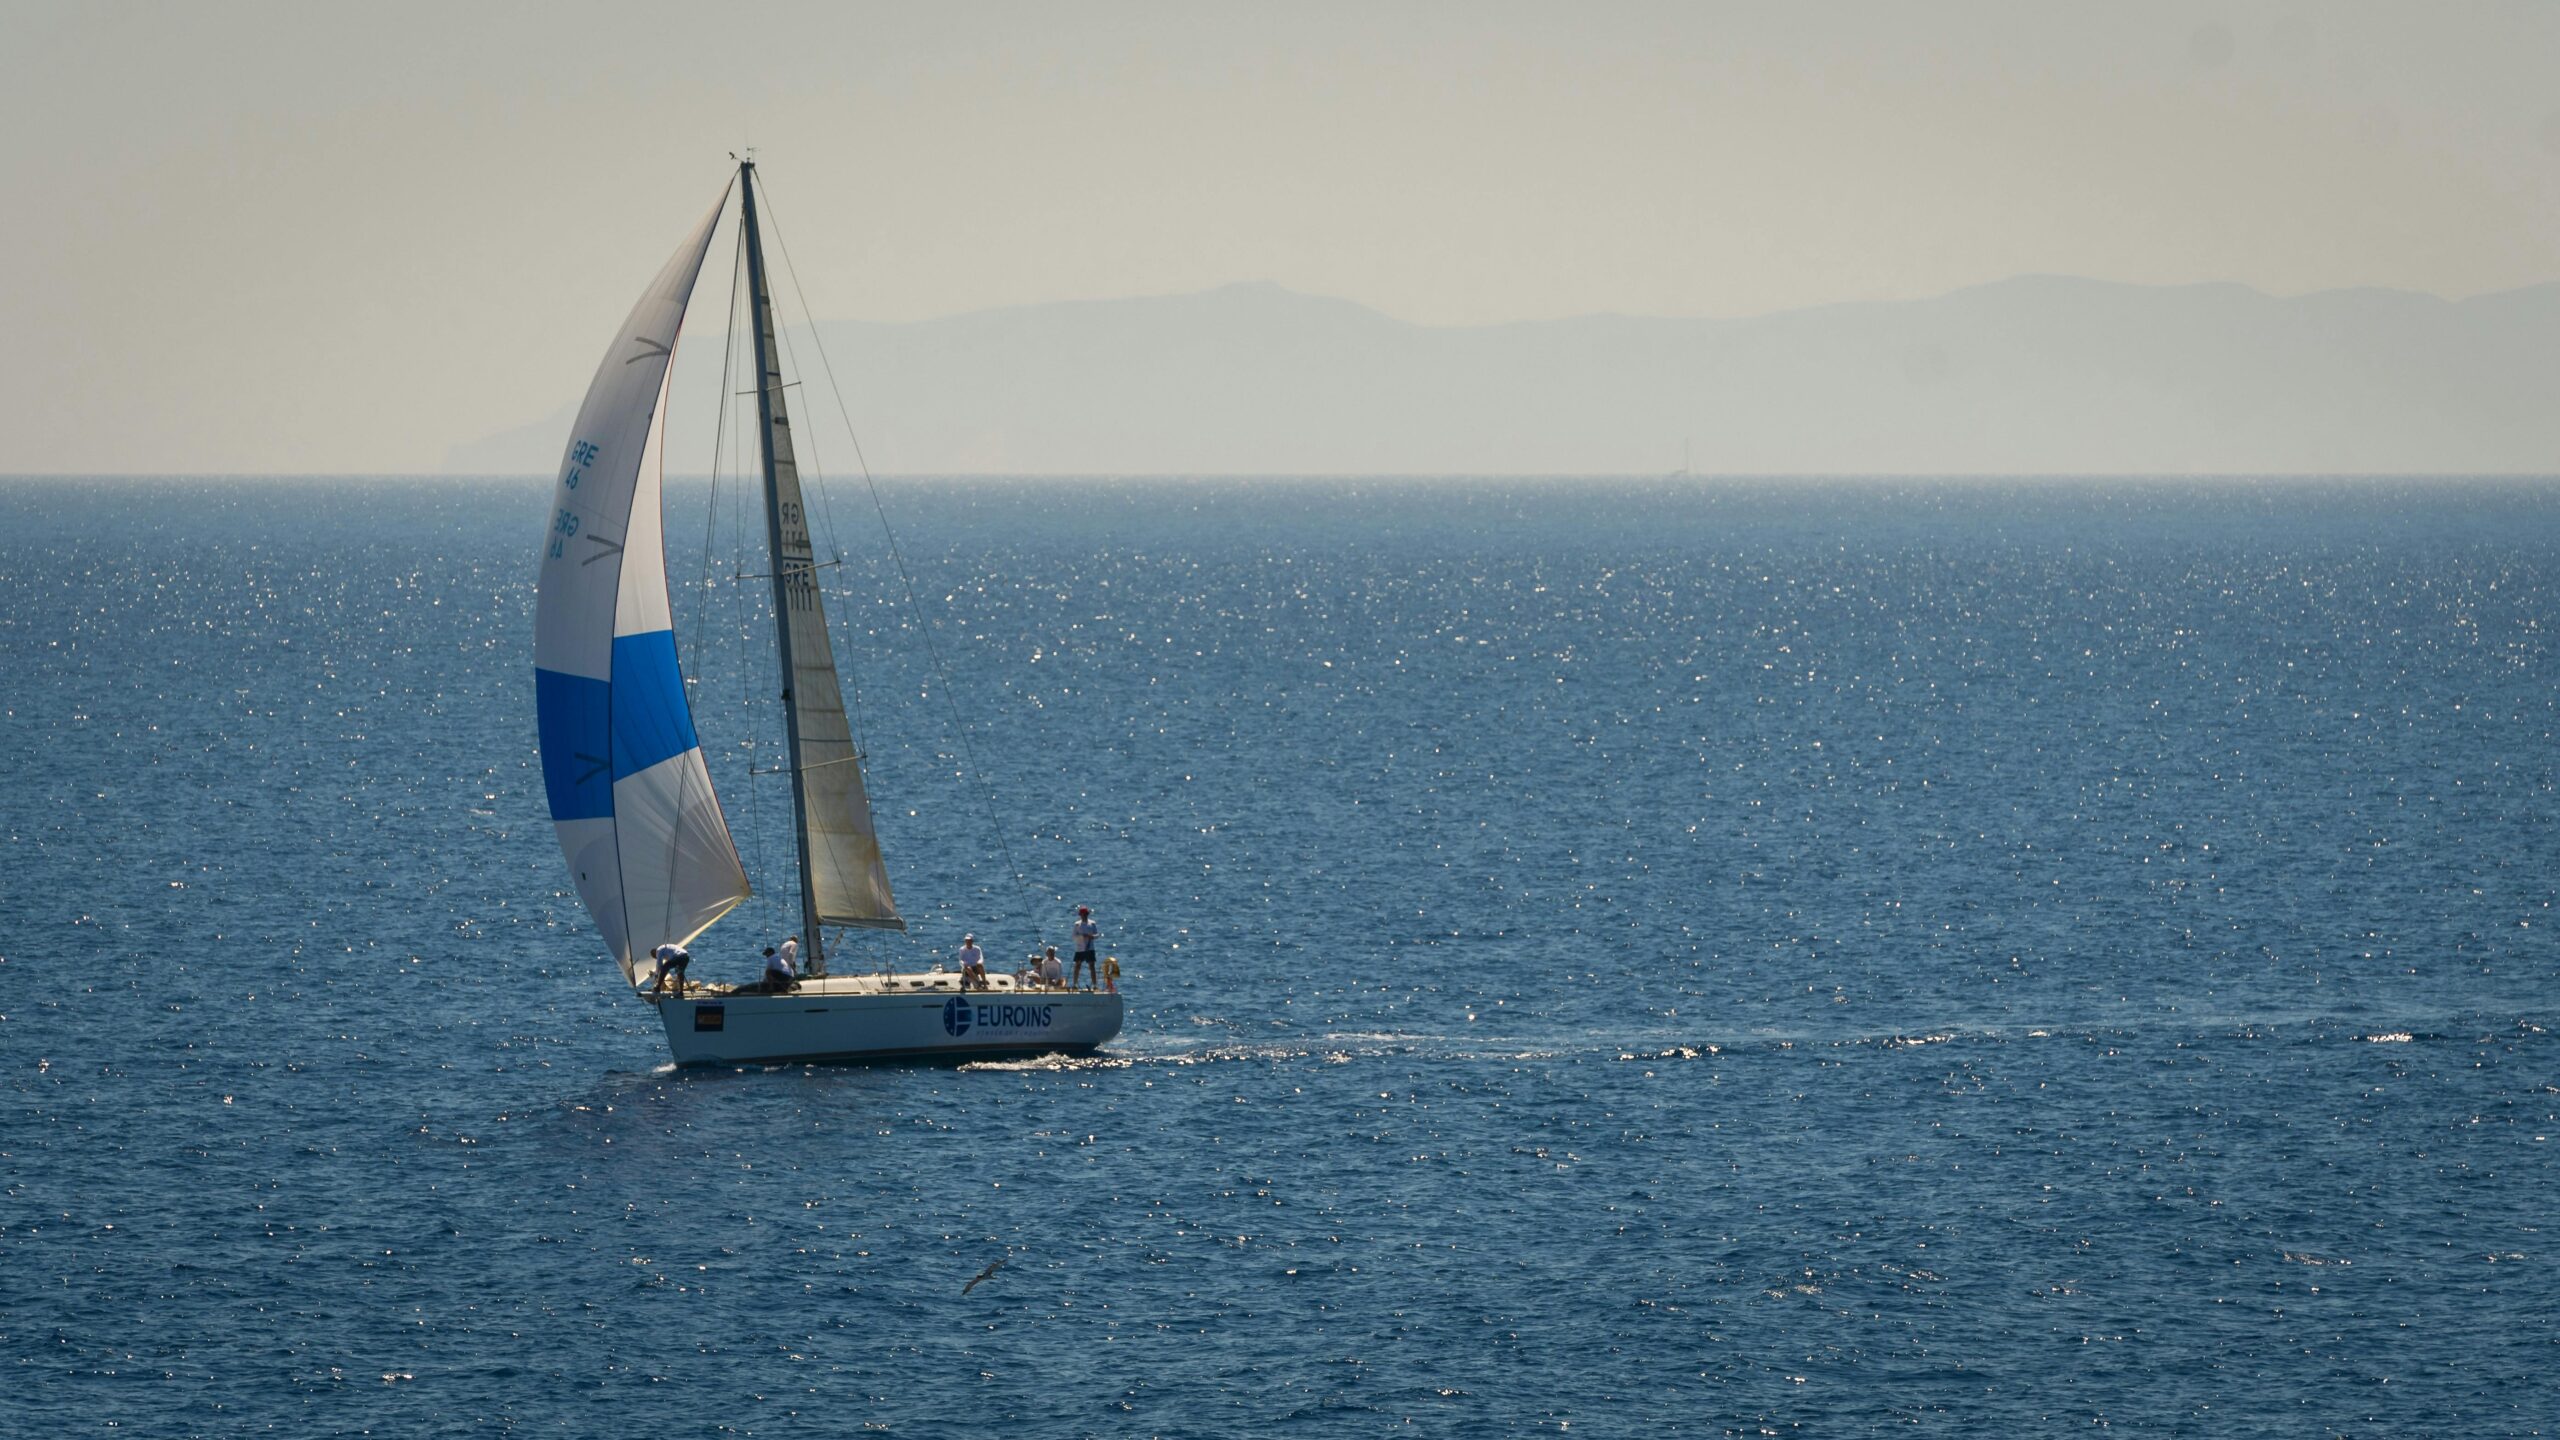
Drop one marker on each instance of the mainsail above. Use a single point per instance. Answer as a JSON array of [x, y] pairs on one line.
[[843, 879], [630, 794]]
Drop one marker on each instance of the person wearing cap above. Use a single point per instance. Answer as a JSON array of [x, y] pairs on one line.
[[778, 978], [973, 964], [1051, 976], [1086, 932]]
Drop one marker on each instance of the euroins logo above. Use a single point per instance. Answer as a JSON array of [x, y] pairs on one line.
[[959, 1015]]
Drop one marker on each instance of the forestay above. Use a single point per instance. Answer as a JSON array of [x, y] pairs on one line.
[[629, 792]]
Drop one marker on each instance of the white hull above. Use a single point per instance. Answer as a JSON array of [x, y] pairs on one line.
[[899, 1017]]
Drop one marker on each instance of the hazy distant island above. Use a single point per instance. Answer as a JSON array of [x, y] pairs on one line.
[[2030, 376]]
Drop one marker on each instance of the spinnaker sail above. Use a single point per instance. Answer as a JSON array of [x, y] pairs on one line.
[[630, 795]]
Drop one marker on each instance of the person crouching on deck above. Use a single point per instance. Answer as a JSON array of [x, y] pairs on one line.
[[973, 964], [672, 960]]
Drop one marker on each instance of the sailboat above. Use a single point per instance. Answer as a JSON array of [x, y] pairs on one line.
[[647, 844]]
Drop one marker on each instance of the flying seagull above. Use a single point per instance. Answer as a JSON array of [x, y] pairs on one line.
[[981, 1275]]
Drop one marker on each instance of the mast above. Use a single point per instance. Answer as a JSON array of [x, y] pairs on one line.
[[842, 878], [794, 565]]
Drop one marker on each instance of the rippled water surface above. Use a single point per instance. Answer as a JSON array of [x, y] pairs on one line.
[[1643, 959]]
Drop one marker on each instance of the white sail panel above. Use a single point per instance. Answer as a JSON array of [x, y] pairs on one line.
[[616, 730], [595, 868], [586, 536], [680, 871]]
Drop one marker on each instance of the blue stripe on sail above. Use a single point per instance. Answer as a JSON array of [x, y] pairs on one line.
[[651, 721], [574, 715]]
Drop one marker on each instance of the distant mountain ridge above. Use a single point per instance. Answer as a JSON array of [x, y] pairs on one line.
[[2038, 375]]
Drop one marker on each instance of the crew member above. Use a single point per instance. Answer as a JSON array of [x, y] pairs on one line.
[[973, 964], [1086, 932], [672, 959]]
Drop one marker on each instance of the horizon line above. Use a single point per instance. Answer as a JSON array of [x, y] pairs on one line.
[[1313, 477]]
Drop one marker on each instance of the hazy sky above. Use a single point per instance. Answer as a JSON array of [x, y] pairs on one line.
[[249, 237]]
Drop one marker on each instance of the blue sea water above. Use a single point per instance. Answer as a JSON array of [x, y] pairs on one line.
[[1621, 959]]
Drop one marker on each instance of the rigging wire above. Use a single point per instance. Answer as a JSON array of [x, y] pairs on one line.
[[751, 601], [722, 435], [942, 675], [711, 511]]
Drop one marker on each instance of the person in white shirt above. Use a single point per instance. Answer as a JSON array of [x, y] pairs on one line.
[[778, 978], [672, 960], [973, 964], [1086, 933], [1053, 975], [791, 954]]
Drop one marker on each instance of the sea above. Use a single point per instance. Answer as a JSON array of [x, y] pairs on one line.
[[1620, 958]]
